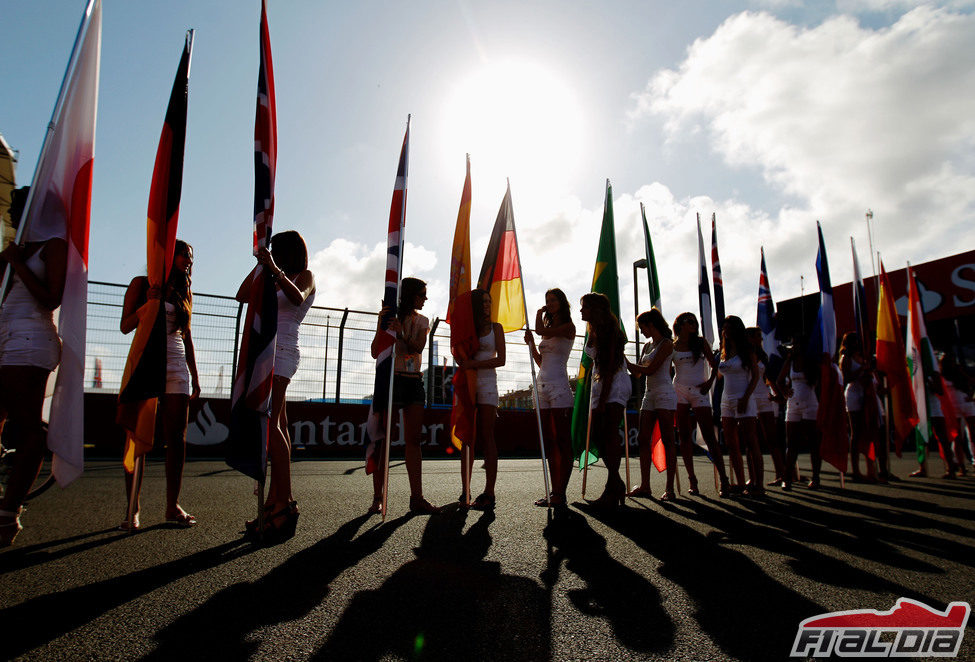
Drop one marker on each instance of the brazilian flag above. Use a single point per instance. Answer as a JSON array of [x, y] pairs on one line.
[[605, 280]]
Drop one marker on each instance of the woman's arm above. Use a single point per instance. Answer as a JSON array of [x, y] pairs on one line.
[[712, 367], [780, 382], [495, 362], [54, 253], [393, 325], [191, 362], [136, 296], [564, 330], [663, 353], [244, 291], [530, 341]]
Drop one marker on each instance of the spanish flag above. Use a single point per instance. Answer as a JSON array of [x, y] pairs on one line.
[[144, 379], [460, 255], [501, 271], [892, 361]]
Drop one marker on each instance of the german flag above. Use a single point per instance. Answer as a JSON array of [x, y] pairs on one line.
[[144, 379], [501, 271]]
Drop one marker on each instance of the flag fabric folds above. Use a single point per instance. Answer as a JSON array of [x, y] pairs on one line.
[[765, 320], [652, 280], [831, 419], [605, 280], [923, 366], [463, 345], [716, 275], [144, 379], [379, 408], [59, 206], [501, 271], [250, 409], [460, 254], [892, 361], [703, 289]]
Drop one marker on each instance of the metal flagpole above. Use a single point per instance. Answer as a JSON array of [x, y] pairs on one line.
[[392, 364], [626, 447], [531, 360]]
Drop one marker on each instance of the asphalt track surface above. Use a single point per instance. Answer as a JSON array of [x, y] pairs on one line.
[[701, 578]]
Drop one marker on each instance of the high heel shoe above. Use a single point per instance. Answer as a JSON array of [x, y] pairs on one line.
[[725, 490], [614, 496], [640, 492], [692, 490], [377, 505], [9, 530], [281, 526]]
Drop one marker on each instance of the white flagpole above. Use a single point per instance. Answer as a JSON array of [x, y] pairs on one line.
[[585, 456], [531, 359]]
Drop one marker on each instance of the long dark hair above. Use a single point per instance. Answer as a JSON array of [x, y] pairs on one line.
[[409, 288], [477, 308], [178, 285], [289, 252], [753, 333], [851, 343], [610, 340], [564, 311], [807, 362], [695, 342], [734, 330], [654, 318]]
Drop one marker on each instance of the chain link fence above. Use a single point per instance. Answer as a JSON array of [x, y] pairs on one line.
[[336, 365]]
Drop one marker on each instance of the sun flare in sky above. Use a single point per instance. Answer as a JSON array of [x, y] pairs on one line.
[[517, 119]]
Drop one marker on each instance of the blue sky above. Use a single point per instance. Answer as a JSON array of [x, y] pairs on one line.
[[770, 114]]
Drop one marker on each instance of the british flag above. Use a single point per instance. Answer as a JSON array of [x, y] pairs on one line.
[[765, 320], [394, 262], [250, 415], [716, 275]]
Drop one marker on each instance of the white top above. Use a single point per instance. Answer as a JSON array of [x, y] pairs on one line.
[[854, 386], [660, 379], [689, 372], [800, 386], [736, 378], [486, 351], [175, 349], [289, 319], [20, 304], [555, 358]]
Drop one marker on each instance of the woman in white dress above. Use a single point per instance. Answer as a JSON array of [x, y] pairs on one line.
[[287, 262], [553, 322], [739, 369], [182, 379], [29, 350], [659, 400], [490, 354]]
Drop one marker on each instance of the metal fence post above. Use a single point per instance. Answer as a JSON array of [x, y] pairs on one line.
[[328, 328], [430, 366], [338, 367], [233, 361]]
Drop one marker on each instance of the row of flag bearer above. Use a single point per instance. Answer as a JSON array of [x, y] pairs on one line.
[[42, 336]]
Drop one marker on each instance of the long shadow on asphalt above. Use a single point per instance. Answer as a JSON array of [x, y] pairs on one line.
[[31, 555], [446, 604], [222, 624], [47, 617], [735, 599], [627, 600]]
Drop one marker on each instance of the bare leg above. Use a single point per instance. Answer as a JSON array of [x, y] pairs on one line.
[[815, 457], [413, 420], [766, 424], [562, 421], [730, 427], [856, 440], [486, 414], [609, 422], [644, 441], [279, 450], [705, 422], [23, 398], [756, 463], [175, 410]]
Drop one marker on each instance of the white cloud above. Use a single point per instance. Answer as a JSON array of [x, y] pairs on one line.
[[350, 274], [842, 118]]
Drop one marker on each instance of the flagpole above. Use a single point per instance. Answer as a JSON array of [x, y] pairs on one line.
[[585, 455], [531, 362], [51, 126], [392, 364], [626, 447]]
